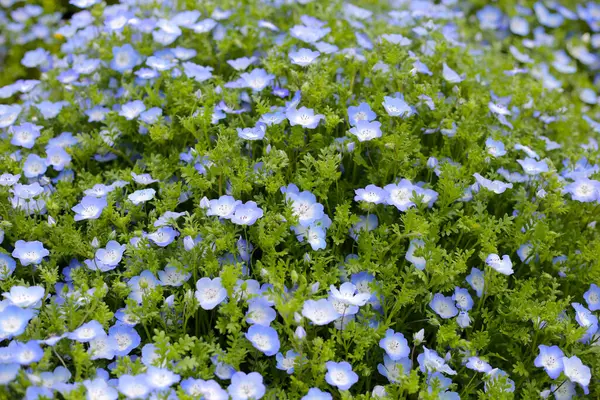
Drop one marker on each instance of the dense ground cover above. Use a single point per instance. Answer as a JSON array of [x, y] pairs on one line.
[[299, 200]]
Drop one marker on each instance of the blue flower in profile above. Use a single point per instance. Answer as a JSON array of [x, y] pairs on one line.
[[13, 321], [443, 306], [308, 34], [246, 386], [450, 75], [89, 208], [497, 187], [430, 361], [533, 167], [395, 345], [264, 338], [591, 296], [365, 130], [418, 261], [197, 72], [7, 266], [550, 358], [29, 252], [210, 293], [253, 133], [340, 375], [49, 109], [303, 57], [362, 112], [585, 319], [397, 107], [241, 64], [394, 370], [125, 58]]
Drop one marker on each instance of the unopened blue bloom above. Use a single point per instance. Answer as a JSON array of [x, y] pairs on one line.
[[550, 358], [246, 386], [29, 252], [504, 265], [319, 312], [223, 207], [89, 208], [592, 297], [134, 387], [163, 236], [253, 133], [365, 130], [463, 298], [340, 375], [362, 112], [126, 337], [583, 190], [533, 167], [401, 194], [132, 109], [304, 117], [257, 79], [395, 345], [497, 187], [23, 135], [316, 394], [87, 332], [141, 196], [371, 194], [125, 58], [477, 364], [303, 57], [57, 157], [264, 338], [443, 306], [577, 372], [25, 297], [13, 321], [397, 107], [210, 293]]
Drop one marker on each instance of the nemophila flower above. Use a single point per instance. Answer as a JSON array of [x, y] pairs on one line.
[[253, 133], [394, 370], [260, 312], [463, 320], [365, 130], [163, 236], [241, 64], [319, 312], [349, 294], [430, 361], [29, 252], [141, 285], [304, 117], [111, 255], [497, 187], [141, 196], [586, 319], [132, 109], [591, 296], [126, 337], [340, 375], [161, 378], [308, 34], [583, 190], [89, 208], [550, 358], [57, 157], [23, 135], [264, 338], [96, 113], [371, 194], [504, 265], [305, 207], [34, 166], [246, 386], [577, 372], [400, 195], [303, 57], [173, 276], [397, 107], [125, 58], [25, 297], [36, 58], [450, 75], [463, 299], [418, 261], [366, 223], [102, 347], [477, 364], [7, 179], [395, 345], [13, 321], [100, 389], [210, 293], [362, 112], [87, 332], [443, 306], [8, 265], [274, 118], [286, 363], [425, 196], [8, 372], [223, 207], [209, 390], [533, 167], [257, 79], [134, 387], [316, 394]]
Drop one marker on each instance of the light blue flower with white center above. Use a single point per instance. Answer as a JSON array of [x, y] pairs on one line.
[[257, 79], [477, 364], [443, 306], [151, 116], [134, 387], [340, 375], [308, 34], [143, 179], [305, 117], [362, 112], [288, 362], [365, 130], [83, 3], [395, 345], [161, 378], [7, 179], [314, 234], [430, 361], [223, 207], [241, 64], [264, 338], [316, 394], [463, 299], [25, 297], [14, 320], [34, 166], [504, 265], [550, 358], [394, 371], [131, 110], [583, 190], [577, 372], [8, 372], [401, 194], [305, 207], [57, 157], [585, 319], [89, 208], [100, 389], [141, 285], [525, 253], [491, 17], [36, 58], [27, 353], [8, 265], [463, 320], [495, 148], [303, 57], [111, 255], [197, 72], [160, 63], [476, 280], [591, 296], [87, 332], [141, 196], [253, 133], [126, 337], [424, 195], [450, 75], [546, 18], [495, 186], [519, 26], [23, 135], [173, 276], [319, 312], [125, 58], [102, 347], [222, 370], [210, 293], [246, 386], [49, 109], [366, 223], [96, 113], [348, 294], [260, 312], [29, 252], [163, 236], [532, 167], [209, 389], [273, 118], [371, 194], [397, 107]]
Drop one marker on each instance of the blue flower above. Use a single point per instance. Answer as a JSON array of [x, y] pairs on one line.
[[316, 394], [305, 207], [463, 299], [264, 338], [141, 285], [8, 265], [371, 194], [585, 319], [96, 113], [13, 321], [210, 293], [504, 265], [397, 107], [111, 255], [395, 345], [160, 378], [340, 375], [223, 207], [533, 167], [89, 208], [8, 373], [253, 133], [365, 130], [38, 393], [25, 297], [583, 190], [308, 34], [519, 26], [246, 386], [29, 252], [401, 194], [163, 236], [304, 117], [477, 364], [430, 361], [151, 116], [443, 306], [303, 57], [577, 372], [497, 187], [450, 75], [83, 3], [394, 370], [592, 297], [260, 312], [57, 157], [141, 196], [257, 79], [125, 58], [49, 109], [34, 166], [366, 223], [197, 72], [476, 280], [132, 109], [241, 64], [426, 196], [198, 387], [419, 262], [36, 58], [348, 294], [362, 112], [126, 337], [319, 312], [173, 276], [134, 387], [23, 135], [100, 388], [286, 363], [550, 358], [87, 332]]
